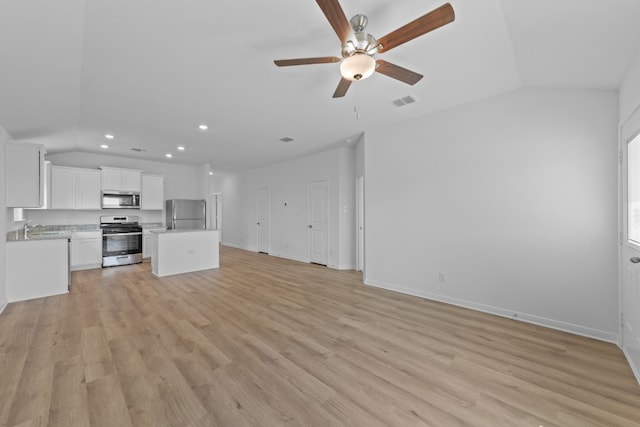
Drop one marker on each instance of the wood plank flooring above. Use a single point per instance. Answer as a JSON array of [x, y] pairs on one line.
[[270, 342]]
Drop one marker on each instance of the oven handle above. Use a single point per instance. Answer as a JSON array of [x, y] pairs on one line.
[[105, 235]]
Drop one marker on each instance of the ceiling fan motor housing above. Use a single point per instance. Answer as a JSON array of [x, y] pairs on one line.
[[362, 42]]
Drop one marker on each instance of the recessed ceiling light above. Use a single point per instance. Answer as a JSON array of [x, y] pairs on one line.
[[180, 147], [168, 155], [109, 136], [210, 173], [203, 127], [105, 146]]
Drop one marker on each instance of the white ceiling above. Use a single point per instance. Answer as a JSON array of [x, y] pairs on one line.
[[149, 71]]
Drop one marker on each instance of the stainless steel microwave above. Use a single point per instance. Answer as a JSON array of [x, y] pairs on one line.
[[120, 200]]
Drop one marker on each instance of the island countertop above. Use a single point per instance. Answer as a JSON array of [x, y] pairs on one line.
[[182, 231]]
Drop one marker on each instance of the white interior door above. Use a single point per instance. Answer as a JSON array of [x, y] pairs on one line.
[[262, 221], [318, 220], [630, 241]]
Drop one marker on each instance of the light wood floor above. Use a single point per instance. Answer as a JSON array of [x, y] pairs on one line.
[[269, 342]]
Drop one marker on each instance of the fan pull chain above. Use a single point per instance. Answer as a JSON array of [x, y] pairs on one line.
[[357, 111]]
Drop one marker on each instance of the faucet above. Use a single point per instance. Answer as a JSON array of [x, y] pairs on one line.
[[26, 229]]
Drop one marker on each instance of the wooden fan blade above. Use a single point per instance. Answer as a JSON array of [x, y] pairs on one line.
[[336, 17], [342, 88], [397, 72], [429, 22], [305, 61]]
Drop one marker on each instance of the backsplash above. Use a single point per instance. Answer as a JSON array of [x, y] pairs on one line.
[[71, 217]]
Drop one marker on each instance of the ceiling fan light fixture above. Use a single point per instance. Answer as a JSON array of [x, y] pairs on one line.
[[358, 66]]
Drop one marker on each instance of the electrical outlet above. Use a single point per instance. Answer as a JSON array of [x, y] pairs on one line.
[[442, 278]]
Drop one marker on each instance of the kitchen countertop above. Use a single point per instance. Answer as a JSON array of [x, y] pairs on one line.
[[149, 225], [49, 232], [181, 231], [18, 236]]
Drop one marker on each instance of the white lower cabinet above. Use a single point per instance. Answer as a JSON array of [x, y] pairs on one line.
[[147, 241], [86, 250], [37, 268]]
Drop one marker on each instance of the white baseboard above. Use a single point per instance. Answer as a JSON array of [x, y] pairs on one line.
[[631, 361], [2, 307], [292, 258], [503, 312], [233, 245], [288, 257]]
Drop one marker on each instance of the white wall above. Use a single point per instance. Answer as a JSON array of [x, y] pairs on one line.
[[288, 183], [4, 137], [512, 198], [630, 91]]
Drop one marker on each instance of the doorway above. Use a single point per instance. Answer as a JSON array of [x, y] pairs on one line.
[[360, 223], [262, 221], [318, 221], [630, 240]]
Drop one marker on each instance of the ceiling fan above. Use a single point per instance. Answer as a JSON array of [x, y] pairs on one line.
[[358, 51]]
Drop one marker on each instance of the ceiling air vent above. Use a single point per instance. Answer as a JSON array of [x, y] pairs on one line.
[[286, 139], [139, 150], [400, 102]]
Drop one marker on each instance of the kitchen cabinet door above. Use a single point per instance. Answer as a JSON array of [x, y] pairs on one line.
[[24, 165], [63, 188], [147, 248], [88, 189], [111, 179], [75, 188], [152, 194], [86, 250], [117, 179], [131, 180]]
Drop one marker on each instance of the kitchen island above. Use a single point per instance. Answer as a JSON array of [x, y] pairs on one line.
[[184, 251]]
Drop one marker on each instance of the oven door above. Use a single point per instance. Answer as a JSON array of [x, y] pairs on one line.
[[117, 244]]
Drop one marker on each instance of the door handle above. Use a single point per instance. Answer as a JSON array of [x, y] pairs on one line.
[[310, 226], [257, 223], [634, 259]]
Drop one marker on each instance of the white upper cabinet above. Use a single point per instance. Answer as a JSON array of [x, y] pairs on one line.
[[117, 179], [152, 194], [24, 175], [63, 188], [88, 189], [75, 188]]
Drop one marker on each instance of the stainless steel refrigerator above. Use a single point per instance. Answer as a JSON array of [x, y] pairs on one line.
[[183, 214]]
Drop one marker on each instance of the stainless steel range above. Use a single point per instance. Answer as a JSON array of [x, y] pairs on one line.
[[121, 240]]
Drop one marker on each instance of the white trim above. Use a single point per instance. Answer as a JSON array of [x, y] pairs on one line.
[[503, 312], [233, 245], [289, 257], [635, 369], [278, 255], [2, 307]]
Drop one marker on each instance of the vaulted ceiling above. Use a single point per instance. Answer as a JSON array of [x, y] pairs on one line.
[[150, 71]]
